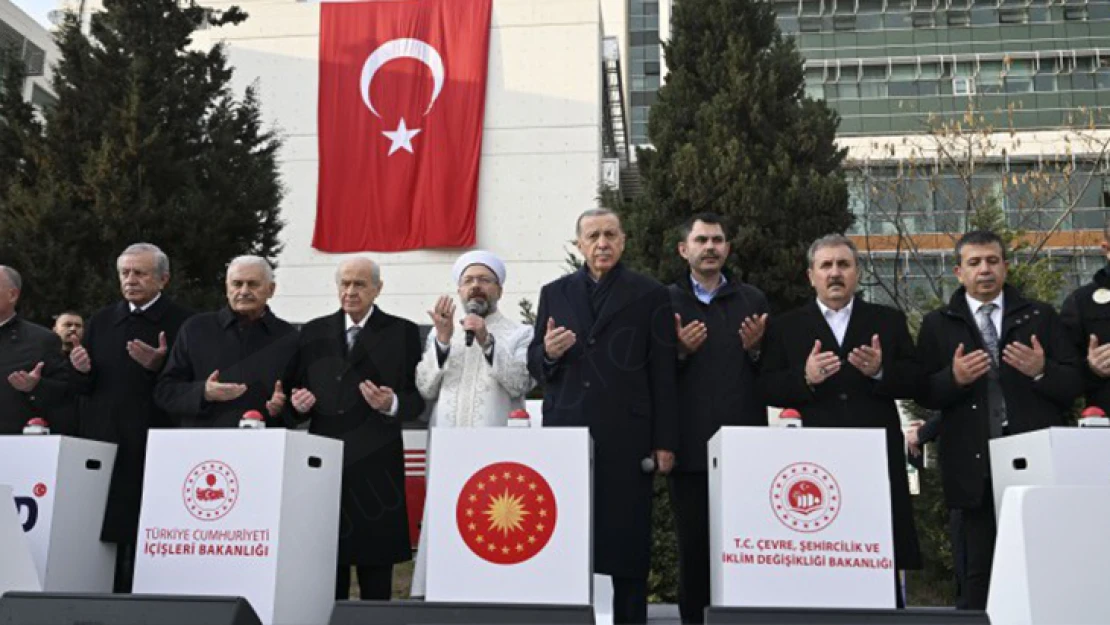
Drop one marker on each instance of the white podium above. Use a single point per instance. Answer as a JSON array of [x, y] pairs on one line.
[[1050, 457], [17, 569], [60, 485], [244, 513], [800, 518], [1050, 557], [509, 516]]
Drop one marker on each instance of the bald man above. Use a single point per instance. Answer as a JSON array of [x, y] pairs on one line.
[[355, 378], [227, 362], [32, 369]]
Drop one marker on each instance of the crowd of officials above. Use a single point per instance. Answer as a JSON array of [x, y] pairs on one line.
[[652, 370]]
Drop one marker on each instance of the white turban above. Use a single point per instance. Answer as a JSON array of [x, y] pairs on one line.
[[479, 257]]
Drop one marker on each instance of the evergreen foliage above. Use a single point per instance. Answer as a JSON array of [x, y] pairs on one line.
[[733, 133], [147, 142]]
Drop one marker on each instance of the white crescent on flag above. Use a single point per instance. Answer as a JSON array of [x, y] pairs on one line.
[[402, 49]]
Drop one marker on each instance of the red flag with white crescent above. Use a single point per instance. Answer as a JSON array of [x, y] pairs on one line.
[[401, 105]]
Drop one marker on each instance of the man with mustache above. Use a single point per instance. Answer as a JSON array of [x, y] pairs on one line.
[[70, 327], [227, 362], [354, 377], [720, 322], [117, 365], [996, 364], [478, 376], [842, 363], [604, 348]]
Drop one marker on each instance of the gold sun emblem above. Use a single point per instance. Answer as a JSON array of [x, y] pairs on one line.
[[506, 513]]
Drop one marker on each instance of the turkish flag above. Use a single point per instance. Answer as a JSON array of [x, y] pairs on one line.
[[401, 104]]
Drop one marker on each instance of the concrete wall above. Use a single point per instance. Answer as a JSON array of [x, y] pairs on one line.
[[540, 155], [37, 34]]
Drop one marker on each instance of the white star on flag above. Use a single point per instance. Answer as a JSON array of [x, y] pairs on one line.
[[401, 138]]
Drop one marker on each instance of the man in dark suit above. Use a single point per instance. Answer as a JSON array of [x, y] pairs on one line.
[[355, 378], [843, 362], [996, 364], [32, 368], [1086, 314], [70, 328], [604, 347], [720, 322], [117, 364], [231, 361]]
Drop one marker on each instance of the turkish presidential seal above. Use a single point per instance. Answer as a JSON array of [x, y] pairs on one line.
[[506, 513], [210, 491], [805, 497]]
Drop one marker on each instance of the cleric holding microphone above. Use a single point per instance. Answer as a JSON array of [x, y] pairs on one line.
[[842, 362], [476, 377], [228, 362], [354, 377], [604, 348]]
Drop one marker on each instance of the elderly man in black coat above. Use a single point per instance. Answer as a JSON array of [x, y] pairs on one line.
[[117, 364], [720, 324], [355, 378], [604, 347], [842, 363], [231, 361], [996, 364], [32, 369]]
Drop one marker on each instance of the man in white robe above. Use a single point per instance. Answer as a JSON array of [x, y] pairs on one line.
[[476, 373]]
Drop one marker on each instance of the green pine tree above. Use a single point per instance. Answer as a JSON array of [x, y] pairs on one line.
[[733, 133], [147, 142]]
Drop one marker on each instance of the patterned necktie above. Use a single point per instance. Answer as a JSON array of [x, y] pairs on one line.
[[986, 328], [352, 334], [996, 398]]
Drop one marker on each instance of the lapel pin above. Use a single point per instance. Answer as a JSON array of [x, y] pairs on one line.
[[1101, 296]]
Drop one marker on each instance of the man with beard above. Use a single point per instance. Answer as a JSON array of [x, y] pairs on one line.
[[228, 362], [842, 362], [32, 370], [604, 348], [122, 352], [70, 327], [477, 377], [720, 322], [997, 364], [354, 377]]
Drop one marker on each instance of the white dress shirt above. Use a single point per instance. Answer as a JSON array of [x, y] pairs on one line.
[[145, 306], [996, 315], [837, 319]]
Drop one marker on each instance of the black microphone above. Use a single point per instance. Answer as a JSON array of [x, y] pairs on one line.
[[473, 307]]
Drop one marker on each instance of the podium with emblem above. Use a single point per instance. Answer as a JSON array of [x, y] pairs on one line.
[[60, 488], [509, 516], [250, 513], [800, 518]]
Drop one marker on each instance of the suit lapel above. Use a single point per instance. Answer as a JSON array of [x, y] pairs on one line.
[[821, 328], [621, 295], [579, 299], [860, 327], [371, 334]]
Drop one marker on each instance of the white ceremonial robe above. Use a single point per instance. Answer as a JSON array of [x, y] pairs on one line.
[[469, 392]]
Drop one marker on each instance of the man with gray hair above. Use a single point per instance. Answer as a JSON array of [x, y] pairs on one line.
[[354, 377], [228, 362], [842, 362], [32, 377], [117, 364]]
